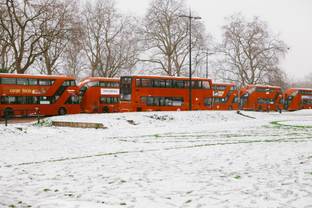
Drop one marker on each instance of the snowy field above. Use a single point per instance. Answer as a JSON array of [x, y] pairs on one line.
[[160, 159]]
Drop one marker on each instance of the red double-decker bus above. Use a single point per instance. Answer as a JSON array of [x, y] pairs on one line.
[[261, 98], [99, 94], [298, 98], [161, 93], [225, 96], [23, 95]]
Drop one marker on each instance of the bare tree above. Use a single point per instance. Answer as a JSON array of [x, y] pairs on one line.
[[73, 58], [251, 53], [22, 24], [5, 52], [58, 25], [278, 78], [110, 40], [304, 83], [166, 36]]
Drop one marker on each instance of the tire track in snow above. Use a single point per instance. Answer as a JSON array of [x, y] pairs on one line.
[[301, 139]]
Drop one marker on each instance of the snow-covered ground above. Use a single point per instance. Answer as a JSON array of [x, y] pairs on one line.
[[160, 159]]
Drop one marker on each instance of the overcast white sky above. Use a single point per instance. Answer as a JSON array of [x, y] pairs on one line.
[[292, 19]]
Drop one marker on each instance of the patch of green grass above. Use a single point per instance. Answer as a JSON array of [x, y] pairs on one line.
[[278, 124], [43, 122], [237, 177], [275, 123], [157, 136]]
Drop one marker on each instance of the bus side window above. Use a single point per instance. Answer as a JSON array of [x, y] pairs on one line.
[[22, 81], [8, 80], [208, 101], [33, 81], [146, 82], [149, 101], [168, 83], [162, 83], [143, 99], [168, 101], [162, 101], [73, 99], [179, 84], [233, 88], [67, 83], [44, 100], [177, 101], [138, 83], [32, 100], [235, 100], [200, 84], [156, 83], [83, 89], [116, 84], [44, 82], [8, 100]]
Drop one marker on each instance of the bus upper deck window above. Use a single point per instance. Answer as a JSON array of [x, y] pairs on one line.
[[21, 81], [33, 81], [8, 80], [206, 85], [138, 82], [146, 83], [44, 82]]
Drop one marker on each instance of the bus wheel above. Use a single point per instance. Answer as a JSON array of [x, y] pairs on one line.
[[62, 111], [8, 112], [105, 109]]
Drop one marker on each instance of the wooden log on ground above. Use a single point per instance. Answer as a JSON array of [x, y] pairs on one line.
[[78, 124]]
